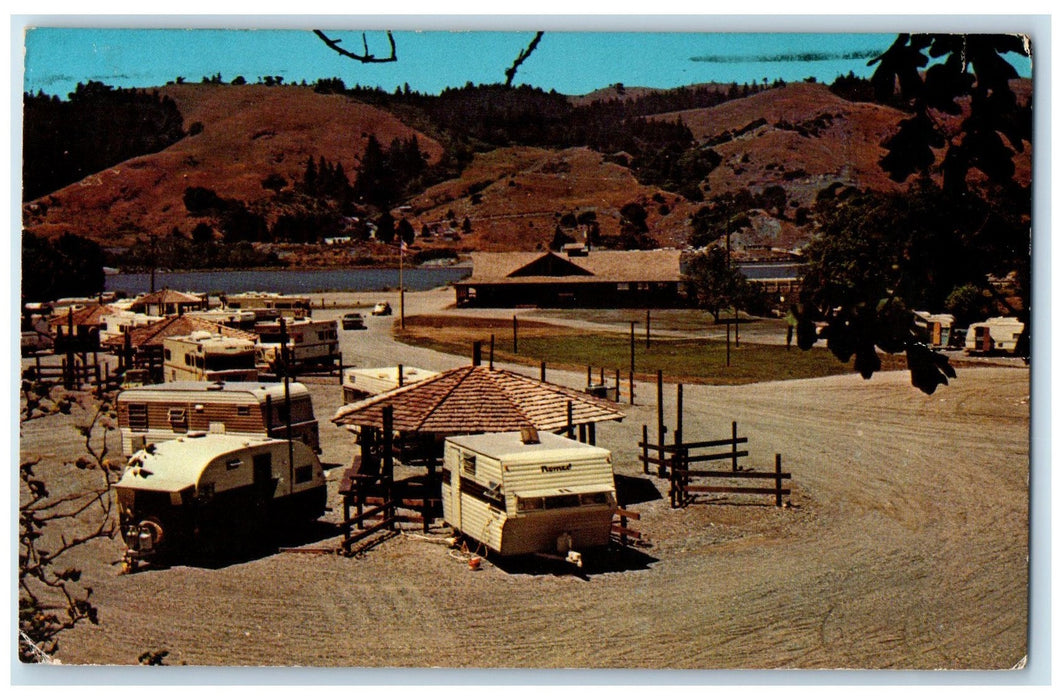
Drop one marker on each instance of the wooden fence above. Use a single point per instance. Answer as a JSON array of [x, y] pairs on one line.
[[621, 530], [73, 373], [682, 489], [673, 461]]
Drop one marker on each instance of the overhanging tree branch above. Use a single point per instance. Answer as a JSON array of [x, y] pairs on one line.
[[365, 57], [510, 72]]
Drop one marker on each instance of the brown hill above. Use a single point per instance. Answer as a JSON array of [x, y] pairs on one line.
[[249, 132], [514, 198], [801, 137]]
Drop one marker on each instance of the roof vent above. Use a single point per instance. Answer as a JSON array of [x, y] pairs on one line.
[[529, 435]]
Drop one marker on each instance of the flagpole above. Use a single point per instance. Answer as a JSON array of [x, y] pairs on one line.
[[401, 286]]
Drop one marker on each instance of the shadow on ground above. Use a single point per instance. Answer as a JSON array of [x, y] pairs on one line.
[[632, 490]]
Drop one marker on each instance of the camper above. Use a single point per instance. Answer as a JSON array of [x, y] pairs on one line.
[[935, 330], [529, 493], [269, 306], [159, 412], [309, 343], [233, 318], [361, 383], [204, 356], [996, 335], [202, 494]]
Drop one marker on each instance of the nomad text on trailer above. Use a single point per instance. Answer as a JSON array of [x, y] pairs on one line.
[[203, 494], [159, 412], [524, 493]]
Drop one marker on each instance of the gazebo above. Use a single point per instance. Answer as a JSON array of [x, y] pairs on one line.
[[479, 399], [470, 399]]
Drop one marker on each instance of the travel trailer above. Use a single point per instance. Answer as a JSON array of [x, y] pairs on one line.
[[267, 305], [160, 412], [233, 318], [203, 494], [524, 493], [996, 335], [309, 342], [360, 383], [203, 356], [934, 329]]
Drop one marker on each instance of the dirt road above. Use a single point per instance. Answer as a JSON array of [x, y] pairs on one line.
[[905, 547]]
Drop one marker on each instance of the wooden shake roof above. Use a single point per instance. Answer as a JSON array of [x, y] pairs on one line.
[[477, 399], [597, 266], [154, 333], [90, 315], [169, 296]]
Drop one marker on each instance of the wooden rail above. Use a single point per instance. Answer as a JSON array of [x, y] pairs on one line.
[[622, 532], [681, 488]]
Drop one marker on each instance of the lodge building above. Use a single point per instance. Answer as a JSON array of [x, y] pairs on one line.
[[597, 278]]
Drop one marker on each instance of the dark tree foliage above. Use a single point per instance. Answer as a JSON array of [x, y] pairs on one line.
[[197, 253], [879, 257], [97, 127], [487, 116], [405, 231], [72, 266], [967, 70], [715, 285], [385, 177], [726, 213]]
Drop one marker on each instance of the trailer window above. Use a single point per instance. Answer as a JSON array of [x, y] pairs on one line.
[[468, 464], [138, 417], [178, 419], [243, 410], [563, 501], [303, 473], [589, 499], [525, 504]]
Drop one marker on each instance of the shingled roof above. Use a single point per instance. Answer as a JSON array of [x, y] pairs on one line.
[[155, 333], [477, 399], [168, 296], [90, 315], [595, 267]]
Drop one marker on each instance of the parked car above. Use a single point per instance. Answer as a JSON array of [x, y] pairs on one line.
[[381, 309], [353, 321]]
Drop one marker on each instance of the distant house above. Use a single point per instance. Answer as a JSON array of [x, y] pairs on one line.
[[168, 302], [595, 278]]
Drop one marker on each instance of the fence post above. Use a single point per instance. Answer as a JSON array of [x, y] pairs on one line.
[[645, 448], [733, 446], [630, 384], [778, 480], [678, 414], [542, 370], [617, 385], [660, 429], [514, 334], [570, 428]]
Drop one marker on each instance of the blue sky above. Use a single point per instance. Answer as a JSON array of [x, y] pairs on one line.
[[568, 61]]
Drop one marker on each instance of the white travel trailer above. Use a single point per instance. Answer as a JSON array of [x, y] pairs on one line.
[[525, 493], [160, 412], [203, 356], [360, 383], [934, 329], [202, 494], [269, 305], [998, 334], [309, 342]]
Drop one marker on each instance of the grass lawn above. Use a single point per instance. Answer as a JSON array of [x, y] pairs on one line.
[[686, 360]]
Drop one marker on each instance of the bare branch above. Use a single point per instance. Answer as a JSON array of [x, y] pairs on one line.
[[362, 58], [510, 73]]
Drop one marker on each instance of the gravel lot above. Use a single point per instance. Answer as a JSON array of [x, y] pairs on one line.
[[905, 547]]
